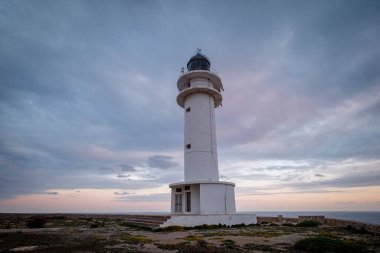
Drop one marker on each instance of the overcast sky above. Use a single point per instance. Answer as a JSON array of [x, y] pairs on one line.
[[89, 120]]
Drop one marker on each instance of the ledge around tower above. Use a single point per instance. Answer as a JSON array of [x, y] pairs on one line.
[[211, 76], [181, 97]]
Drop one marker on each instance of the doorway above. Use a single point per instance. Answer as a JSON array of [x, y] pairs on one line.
[[178, 203]]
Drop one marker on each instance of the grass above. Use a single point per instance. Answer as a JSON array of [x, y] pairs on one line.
[[265, 234], [168, 246], [134, 239], [193, 238], [261, 247], [137, 226], [326, 244], [170, 229]]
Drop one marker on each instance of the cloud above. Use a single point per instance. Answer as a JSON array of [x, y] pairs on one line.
[[265, 193], [51, 193], [127, 167], [157, 197], [161, 162], [121, 193], [123, 176], [358, 180], [100, 104], [346, 203]]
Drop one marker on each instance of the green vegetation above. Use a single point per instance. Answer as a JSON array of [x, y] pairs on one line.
[[261, 233], [229, 244], [140, 227], [36, 222], [206, 226], [170, 229], [171, 246], [134, 239], [193, 238], [96, 224], [261, 247], [308, 223], [361, 231], [326, 244]]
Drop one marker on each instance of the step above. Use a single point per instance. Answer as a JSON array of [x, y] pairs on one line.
[[147, 220]]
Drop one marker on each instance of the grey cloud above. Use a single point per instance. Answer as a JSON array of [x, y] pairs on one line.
[[358, 180], [161, 162], [52, 193], [292, 192], [117, 169], [127, 167], [123, 176], [319, 175], [121, 193]]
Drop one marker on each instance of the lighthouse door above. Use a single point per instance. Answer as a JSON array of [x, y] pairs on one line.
[[178, 203]]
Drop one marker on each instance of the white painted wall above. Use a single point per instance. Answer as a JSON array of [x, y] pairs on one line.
[[217, 199], [197, 220], [195, 199], [201, 160]]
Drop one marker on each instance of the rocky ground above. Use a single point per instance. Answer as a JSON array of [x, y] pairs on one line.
[[86, 233]]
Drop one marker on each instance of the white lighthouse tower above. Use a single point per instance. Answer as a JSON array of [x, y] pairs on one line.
[[201, 198]]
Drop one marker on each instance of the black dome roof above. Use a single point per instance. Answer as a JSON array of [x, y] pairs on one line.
[[198, 62]]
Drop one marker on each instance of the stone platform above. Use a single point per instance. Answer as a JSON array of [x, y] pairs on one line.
[[210, 219]]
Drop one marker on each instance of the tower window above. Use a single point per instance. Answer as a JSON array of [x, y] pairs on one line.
[[187, 188], [187, 85], [178, 190], [188, 146], [188, 109]]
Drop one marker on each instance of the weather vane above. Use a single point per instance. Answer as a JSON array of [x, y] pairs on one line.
[[199, 51]]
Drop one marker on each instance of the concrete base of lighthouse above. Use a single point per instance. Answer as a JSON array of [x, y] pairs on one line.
[[205, 202], [210, 219]]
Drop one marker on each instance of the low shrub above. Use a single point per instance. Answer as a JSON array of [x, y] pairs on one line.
[[229, 244], [261, 247], [206, 226], [308, 223], [326, 244], [354, 230], [193, 238], [36, 222], [238, 225], [97, 224], [137, 226]]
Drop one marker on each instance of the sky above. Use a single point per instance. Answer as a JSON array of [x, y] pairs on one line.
[[89, 120]]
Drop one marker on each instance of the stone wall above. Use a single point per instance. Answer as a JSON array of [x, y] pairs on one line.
[[322, 220], [278, 219]]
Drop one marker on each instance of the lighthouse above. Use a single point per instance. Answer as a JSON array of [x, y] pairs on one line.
[[202, 198]]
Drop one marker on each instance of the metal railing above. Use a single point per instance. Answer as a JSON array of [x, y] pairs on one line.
[[183, 71]]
